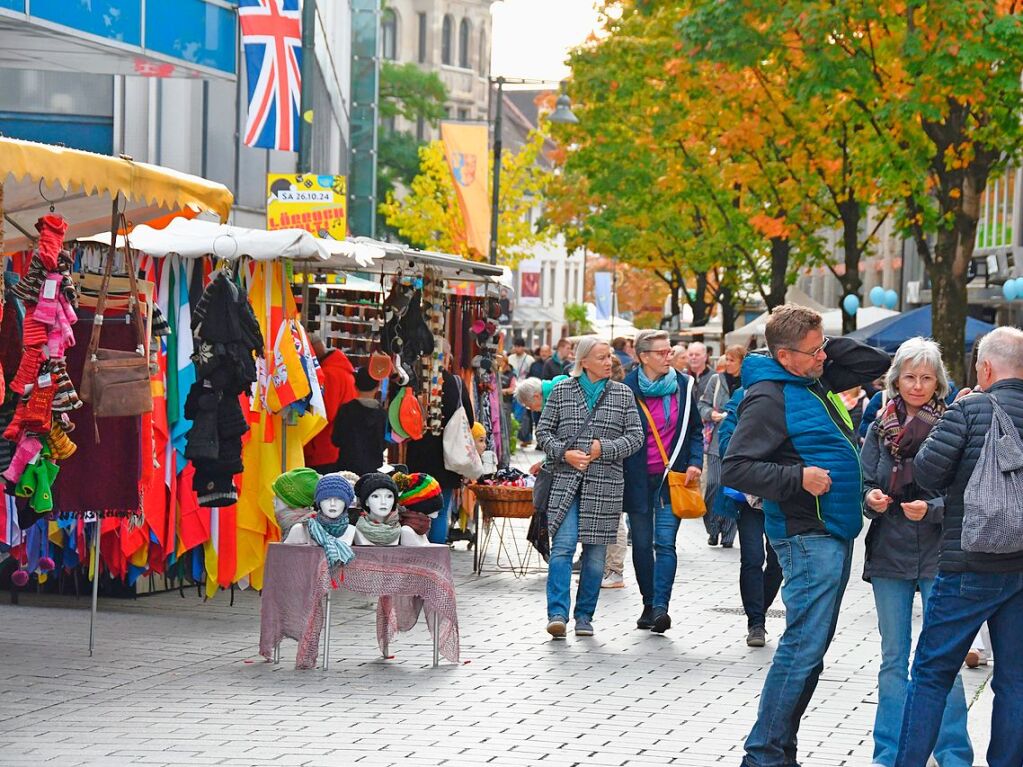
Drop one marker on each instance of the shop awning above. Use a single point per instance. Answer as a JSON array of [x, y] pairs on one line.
[[81, 186], [198, 238]]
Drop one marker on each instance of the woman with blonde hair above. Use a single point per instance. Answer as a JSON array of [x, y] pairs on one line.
[[587, 428]]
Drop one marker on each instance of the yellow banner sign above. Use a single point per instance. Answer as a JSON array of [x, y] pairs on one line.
[[318, 204], [465, 147]]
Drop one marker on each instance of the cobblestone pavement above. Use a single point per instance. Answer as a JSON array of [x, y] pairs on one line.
[[179, 681]]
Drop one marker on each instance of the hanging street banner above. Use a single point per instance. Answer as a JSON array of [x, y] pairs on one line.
[[465, 148], [318, 204]]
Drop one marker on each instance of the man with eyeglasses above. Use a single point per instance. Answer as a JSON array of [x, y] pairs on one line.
[[794, 446]]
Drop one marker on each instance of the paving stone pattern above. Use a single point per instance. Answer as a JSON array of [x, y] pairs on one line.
[[178, 681]]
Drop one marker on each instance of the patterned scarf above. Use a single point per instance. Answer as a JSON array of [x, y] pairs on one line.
[[380, 533], [326, 532], [663, 387], [591, 389], [902, 439]]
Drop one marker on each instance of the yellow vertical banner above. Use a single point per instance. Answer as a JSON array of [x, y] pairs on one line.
[[465, 148]]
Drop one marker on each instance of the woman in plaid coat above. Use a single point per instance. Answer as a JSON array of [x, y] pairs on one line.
[[586, 495]]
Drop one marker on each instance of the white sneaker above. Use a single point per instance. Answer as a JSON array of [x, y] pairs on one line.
[[612, 581]]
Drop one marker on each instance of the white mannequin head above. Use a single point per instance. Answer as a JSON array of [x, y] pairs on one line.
[[333, 508], [380, 503]]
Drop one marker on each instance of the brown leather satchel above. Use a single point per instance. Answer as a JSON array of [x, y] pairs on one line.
[[115, 382]]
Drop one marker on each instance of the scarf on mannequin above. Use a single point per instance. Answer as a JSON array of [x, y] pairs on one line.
[[326, 532], [380, 533]]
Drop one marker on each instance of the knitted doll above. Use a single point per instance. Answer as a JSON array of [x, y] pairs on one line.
[[379, 525]]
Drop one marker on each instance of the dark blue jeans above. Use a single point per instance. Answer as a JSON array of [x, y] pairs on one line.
[[816, 569], [653, 545], [958, 605], [440, 524], [559, 571], [758, 585]]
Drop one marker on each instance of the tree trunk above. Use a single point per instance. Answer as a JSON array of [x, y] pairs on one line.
[[677, 284], [781, 247], [728, 312], [948, 311], [699, 301], [851, 213]]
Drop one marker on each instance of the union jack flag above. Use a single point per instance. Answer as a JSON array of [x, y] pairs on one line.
[[272, 38]]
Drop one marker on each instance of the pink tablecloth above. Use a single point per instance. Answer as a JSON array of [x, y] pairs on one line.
[[294, 583], [407, 580]]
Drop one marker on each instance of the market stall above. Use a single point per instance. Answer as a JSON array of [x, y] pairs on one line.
[[48, 196]]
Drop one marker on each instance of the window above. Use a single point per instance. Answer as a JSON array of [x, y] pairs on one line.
[[463, 44], [484, 53], [463, 114], [445, 42], [388, 124], [422, 37], [389, 34]]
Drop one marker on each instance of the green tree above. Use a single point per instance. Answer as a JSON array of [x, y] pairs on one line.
[[411, 93]]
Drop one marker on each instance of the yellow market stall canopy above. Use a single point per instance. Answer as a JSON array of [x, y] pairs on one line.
[[81, 186]]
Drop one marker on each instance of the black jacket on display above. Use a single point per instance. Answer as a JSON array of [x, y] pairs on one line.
[[426, 455], [359, 436], [945, 464]]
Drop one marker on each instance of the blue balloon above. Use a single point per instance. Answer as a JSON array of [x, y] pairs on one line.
[[891, 299], [877, 295], [1019, 288], [1009, 290], [851, 304]]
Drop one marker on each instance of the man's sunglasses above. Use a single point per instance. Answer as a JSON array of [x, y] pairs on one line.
[[814, 353]]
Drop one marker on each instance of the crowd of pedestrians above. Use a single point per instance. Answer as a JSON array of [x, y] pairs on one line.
[[796, 446]]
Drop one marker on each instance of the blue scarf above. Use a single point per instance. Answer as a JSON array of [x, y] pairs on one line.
[[591, 389], [664, 387], [325, 532]]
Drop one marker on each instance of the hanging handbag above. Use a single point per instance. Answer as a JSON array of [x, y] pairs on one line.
[[116, 382], [686, 500], [544, 481], [993, 500], [460, 454]]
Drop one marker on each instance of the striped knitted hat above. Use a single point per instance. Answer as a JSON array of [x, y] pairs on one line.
[[418, 492], [297, 487]]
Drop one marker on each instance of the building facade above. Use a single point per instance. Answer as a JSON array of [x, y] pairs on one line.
[[164, 82]]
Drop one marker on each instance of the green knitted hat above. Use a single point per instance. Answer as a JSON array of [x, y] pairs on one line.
[[297, 487]]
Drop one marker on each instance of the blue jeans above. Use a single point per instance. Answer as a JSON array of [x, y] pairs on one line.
[[894, 599], [559, 571], [758, 585], [959, 604], [816, 568], [653, 545], [439, 527], [525, 419]]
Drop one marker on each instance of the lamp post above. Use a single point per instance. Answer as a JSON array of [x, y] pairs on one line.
[[562, 114]]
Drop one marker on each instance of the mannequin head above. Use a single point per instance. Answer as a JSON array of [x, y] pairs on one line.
[[379, 503], [377, 494], [334, 494]]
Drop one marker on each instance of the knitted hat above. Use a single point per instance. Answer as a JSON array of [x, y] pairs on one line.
[[419, 492], [368, 483], [364, 382], [479, 431], [334, 486], [297, 487]]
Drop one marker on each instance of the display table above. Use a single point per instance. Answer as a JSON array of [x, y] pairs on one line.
[[406, 580]]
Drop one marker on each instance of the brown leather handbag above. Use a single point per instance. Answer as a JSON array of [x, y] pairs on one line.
[[116, 382]]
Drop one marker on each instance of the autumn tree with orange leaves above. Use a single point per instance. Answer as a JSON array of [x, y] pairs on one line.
[[930, 90]]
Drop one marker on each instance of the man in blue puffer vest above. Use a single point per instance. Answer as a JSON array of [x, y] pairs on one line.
[[794, 447]]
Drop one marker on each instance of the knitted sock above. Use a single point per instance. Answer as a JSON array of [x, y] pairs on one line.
[[27, 450], [28, 370], [66, 398], [61, 446]]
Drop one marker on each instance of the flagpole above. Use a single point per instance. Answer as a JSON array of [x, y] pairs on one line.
[[306, 110]]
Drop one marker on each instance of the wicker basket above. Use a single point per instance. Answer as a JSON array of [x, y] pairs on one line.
[[505, 500]]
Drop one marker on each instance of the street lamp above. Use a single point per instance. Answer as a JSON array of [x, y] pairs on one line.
[[562, 114]]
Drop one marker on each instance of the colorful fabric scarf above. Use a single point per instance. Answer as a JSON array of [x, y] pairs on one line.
[[663, 387], [903, 438], [380, 533], [327, 533], [591, 389]]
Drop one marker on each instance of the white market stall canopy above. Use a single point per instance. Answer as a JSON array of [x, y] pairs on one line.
[[197, 238], [82, 185], [832, 320], [398, 257]]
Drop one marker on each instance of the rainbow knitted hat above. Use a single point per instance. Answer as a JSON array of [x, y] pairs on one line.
[[297, 487], [419, 492]]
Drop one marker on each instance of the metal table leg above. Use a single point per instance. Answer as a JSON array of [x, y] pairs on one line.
[[326, 631], [436, 639], [277, 654], [476, 533]]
